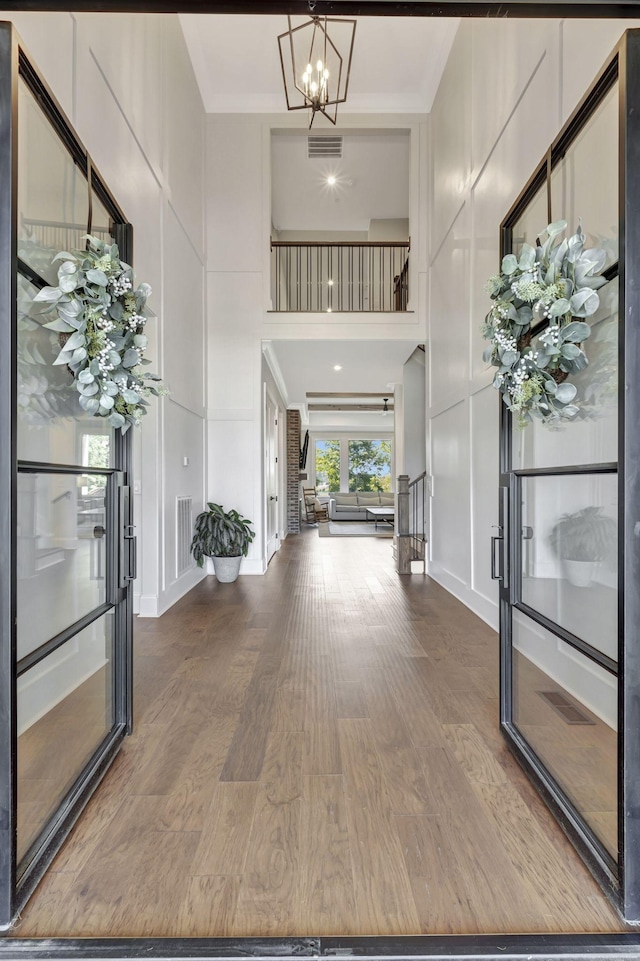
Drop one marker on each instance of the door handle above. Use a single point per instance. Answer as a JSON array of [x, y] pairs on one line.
[[494, 540], [272, 498], [133, 553]]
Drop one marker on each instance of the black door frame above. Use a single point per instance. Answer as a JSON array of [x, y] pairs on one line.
[[487, 948], [17, 882]]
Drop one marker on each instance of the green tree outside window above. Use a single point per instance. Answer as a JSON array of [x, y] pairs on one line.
[[327, 466], [369, 465]]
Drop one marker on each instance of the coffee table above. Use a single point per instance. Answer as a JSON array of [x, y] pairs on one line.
[[384, 515]]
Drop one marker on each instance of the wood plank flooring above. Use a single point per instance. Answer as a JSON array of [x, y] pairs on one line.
[[316, 752]]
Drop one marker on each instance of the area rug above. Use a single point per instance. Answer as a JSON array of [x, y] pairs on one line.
[[354, 529]]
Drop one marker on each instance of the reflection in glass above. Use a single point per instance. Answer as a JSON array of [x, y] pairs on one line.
[[50, 420], [592, 436], [528, 228], [65, 709], [573, 197], [101, 225], [569, 554], [61, 553], [566, 708], [53, 200]]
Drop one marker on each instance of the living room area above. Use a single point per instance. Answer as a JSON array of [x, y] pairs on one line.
[[362, 411]]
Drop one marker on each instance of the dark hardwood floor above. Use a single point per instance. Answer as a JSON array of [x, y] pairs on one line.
[[316, 752]]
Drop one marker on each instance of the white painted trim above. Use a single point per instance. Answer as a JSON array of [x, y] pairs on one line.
[[476, 602], [226, 414], [274, 367], [154, 605], [148, 605]]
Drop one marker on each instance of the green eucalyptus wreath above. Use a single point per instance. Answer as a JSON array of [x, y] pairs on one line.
[[555, 283], [100, 320]]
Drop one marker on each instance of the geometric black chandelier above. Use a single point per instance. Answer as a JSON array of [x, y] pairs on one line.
[[314, 72]]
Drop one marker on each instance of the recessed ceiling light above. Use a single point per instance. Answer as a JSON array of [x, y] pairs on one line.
[[330, 282], [336, 366], [328, 310], [331, 180]]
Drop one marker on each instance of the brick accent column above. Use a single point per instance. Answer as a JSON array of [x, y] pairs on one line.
[[293, 471]]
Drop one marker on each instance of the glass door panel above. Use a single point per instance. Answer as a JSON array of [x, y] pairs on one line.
[[573, 197], [527, 229], [569, 541], [51, 423], [53, 202], [592, 437], [65, 710], [566, 707], [64, 535]]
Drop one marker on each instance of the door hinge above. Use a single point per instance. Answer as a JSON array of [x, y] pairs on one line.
[[276, 460]]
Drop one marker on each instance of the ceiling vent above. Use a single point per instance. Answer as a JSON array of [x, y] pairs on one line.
[[325, 147]]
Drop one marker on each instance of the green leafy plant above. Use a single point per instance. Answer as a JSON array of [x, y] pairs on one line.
[[554, 284], [220, 534], [587, 535], [100, 320]]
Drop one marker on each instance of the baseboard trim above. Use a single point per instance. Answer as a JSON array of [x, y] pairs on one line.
[[478, 603], [155, 605]]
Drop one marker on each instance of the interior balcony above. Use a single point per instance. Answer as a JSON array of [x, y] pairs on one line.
[[328, 276]]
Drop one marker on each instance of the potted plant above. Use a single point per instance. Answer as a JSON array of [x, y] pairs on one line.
[[582, 539], [224, 536]]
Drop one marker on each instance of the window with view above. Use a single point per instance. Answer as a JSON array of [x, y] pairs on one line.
[[327, 466], [369, 465]]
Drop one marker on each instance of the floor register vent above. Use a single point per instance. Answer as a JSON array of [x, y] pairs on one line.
[[328, 147], [567, 710]]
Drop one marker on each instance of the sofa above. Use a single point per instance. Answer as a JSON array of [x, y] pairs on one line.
[[353, 507]]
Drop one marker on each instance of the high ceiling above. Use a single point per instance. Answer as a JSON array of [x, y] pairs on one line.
[[397, 63], [397, 66], [372, 182]]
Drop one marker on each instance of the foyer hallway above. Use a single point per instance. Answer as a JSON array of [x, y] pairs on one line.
[[316, 752]]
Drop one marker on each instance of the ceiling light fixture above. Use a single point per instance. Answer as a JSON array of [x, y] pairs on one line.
[[314, 73], [330, 282], [385, 409], [331, 181], [337, 367]]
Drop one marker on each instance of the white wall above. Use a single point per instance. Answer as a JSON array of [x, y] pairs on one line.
[[414, 414], [492, 120], [390, 229], [127, 85]]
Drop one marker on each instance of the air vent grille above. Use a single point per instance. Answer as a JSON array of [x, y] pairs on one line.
[[184, 520], [328, 147], [567, 710]]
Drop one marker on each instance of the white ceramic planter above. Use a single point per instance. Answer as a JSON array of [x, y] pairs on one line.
[[226, 568], [579, 573]]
